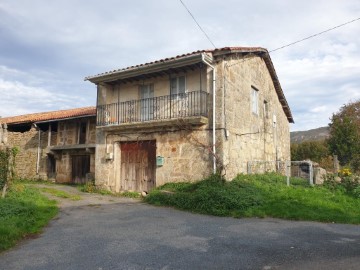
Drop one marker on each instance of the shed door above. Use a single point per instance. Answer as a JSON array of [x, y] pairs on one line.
[[138, 165], [80, 167]]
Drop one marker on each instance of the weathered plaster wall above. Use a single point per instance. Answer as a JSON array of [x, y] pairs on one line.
[[130, 91]]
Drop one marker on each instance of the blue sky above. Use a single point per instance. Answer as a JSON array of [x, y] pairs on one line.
[[47, 48]]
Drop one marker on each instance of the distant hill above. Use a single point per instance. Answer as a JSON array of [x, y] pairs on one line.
[[317, 134]]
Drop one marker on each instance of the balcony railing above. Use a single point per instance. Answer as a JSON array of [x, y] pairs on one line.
[[150, 109]]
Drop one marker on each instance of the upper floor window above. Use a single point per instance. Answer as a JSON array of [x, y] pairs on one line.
[[266, 109], [254, 100], [147, 102], [82, 132], [177, 86]]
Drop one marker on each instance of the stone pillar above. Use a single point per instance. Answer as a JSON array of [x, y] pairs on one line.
[[4, 134]]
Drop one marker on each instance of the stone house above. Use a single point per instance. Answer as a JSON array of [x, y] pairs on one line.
[[57, 145], [184, 117]]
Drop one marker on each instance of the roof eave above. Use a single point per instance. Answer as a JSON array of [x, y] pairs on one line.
[[278, 88], [149, 68], [64, 119]]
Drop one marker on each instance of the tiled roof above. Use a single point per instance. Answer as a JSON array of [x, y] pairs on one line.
[[47, 116], [261, 52], [169, 59]]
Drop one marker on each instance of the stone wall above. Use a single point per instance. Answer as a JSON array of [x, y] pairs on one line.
[[185, 153], [249, 136], [32, 166], [68, 131], [27, 165], [241, 135]]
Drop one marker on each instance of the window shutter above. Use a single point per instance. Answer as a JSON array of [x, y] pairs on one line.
[[173, 83], [181, 89]]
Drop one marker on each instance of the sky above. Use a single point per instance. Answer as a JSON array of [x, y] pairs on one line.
[[47, 48]]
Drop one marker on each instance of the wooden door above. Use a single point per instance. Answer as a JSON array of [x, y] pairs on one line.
[[79, 168], [138, 165]]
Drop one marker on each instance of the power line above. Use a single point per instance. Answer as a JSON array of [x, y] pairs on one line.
[[197, 23], [315, 35], [301, 40]]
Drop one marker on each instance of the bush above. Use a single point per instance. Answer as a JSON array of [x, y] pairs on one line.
[[345, 182], [89, 187]]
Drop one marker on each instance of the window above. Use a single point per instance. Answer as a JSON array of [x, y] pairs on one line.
[[82, 132], [266, 109], [177, 86], [147, 102], [254, 100]]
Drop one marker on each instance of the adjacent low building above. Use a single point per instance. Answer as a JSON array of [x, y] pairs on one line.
[[57, 145]]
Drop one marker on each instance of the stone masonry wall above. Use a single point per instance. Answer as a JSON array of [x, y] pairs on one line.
[[251, 137], [185, 152], [241, 135], [27, 158], [27, 142]]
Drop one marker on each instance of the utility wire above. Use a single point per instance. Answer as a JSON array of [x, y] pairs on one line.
[[315, 35], [301, 40], [197, 23]]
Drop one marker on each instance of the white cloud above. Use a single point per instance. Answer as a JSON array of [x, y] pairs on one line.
[[47, 49], [31, 95]]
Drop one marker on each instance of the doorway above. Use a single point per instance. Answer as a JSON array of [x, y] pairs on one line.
[[138, 165], [80, 168]]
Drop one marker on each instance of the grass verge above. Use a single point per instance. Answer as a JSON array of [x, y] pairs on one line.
[[259, 196], [60, 193], [90, 187], [23, 212]]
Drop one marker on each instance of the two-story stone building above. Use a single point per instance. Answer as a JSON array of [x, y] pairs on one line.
[[57, 145], [182, 118]]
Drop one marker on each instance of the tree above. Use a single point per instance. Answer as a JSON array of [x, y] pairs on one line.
[[313, 150], [344, 138], [7, 168]]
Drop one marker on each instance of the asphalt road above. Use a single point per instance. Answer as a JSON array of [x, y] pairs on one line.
[[105, 233]]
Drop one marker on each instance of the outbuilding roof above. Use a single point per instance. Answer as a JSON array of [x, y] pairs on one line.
[[49, 116]]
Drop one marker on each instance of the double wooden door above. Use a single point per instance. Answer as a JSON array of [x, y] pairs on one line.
[[138, 163]]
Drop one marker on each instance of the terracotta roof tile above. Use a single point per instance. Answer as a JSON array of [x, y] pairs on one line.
[[220, 51], [47, 116], [244, 49]]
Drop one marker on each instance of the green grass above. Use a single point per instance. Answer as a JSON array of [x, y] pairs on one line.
[[130, 194], [90, 187], [23, 212], [61, 193], [259, 196]]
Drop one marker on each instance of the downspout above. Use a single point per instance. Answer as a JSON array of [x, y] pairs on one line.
[[213, 109]]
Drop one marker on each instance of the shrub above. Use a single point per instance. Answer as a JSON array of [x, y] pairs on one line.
[[345, 182], [89, 187]]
